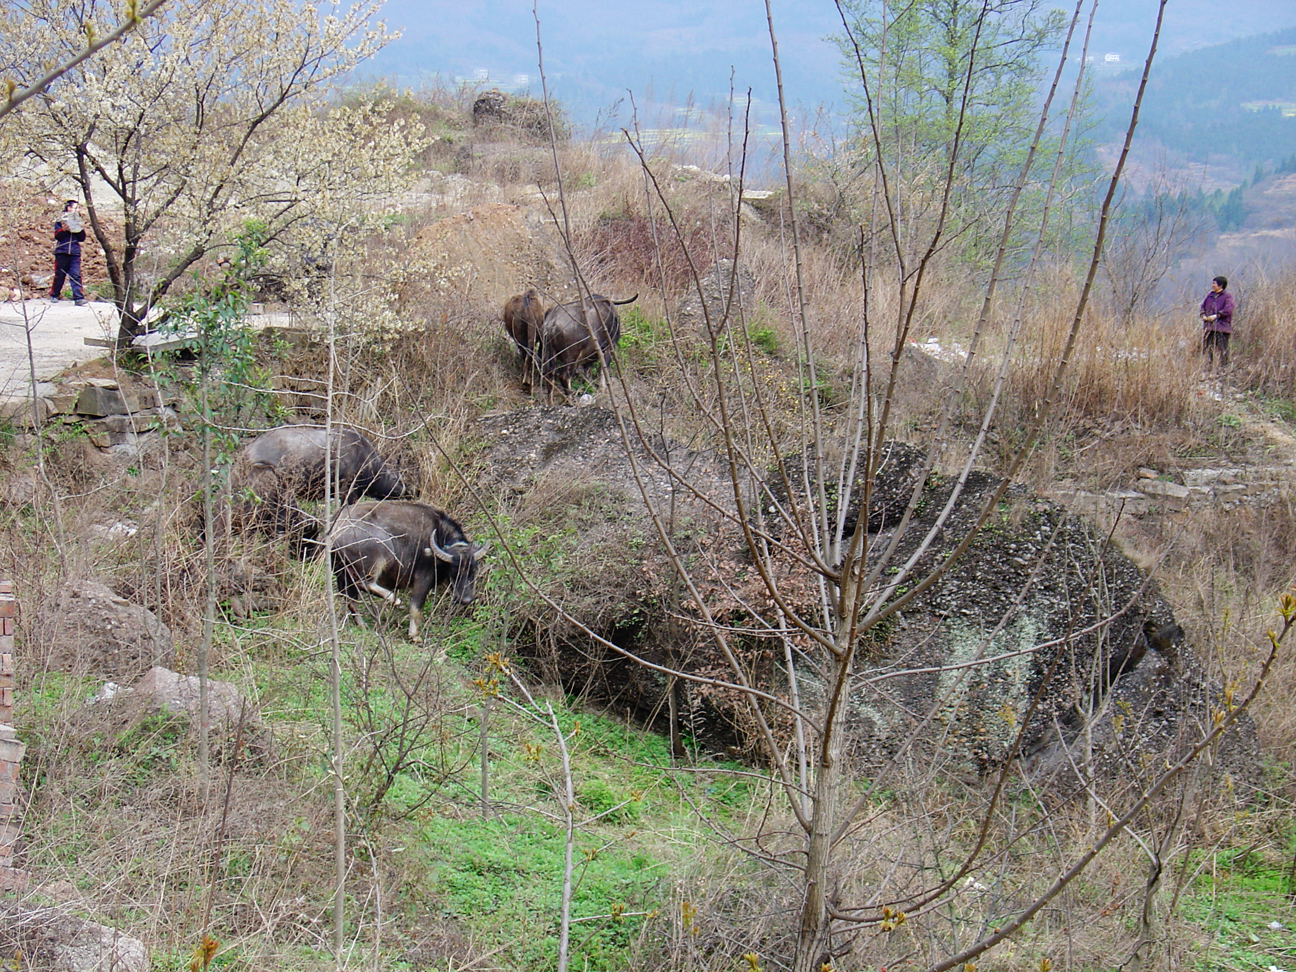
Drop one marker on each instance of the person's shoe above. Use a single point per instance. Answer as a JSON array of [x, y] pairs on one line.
[[82, 303], [54, 300]]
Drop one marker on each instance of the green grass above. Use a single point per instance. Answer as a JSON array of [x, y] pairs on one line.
[[765, 338], [1234, 900], [496, 880], [504, 876], [644, 347], [1283, 409]]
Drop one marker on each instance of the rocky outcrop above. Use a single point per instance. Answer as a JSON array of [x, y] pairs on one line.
[[51, 940], [87, 627], [115, 420], [727, 294], [1029, 645], [527, 116], [1225, 488], [490, 107]]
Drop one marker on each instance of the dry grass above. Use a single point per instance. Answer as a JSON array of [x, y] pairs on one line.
[[1265, 338]]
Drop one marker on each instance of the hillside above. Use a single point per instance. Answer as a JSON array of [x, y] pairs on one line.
[[764, 580]]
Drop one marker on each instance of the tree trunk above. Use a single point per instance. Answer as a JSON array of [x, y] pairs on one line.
[[814, 942]]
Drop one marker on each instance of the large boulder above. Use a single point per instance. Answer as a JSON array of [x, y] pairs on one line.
[[1036, 641], [1043, 640], [164, 692], [163, 697], [88, 628]]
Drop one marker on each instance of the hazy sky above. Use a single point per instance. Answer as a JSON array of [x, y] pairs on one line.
[[666, 50]]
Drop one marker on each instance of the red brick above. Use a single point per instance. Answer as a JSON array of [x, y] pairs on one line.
[[8, 607], [6, 587]]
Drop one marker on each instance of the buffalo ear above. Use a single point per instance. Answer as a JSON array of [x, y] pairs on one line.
[[479, 551]]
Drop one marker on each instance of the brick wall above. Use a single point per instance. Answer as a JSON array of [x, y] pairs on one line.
[[11, 750]]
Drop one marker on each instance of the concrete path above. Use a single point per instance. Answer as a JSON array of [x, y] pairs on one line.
[[56, 334]]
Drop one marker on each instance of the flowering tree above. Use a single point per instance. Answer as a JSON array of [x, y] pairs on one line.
[[208, 115], [28, 43]]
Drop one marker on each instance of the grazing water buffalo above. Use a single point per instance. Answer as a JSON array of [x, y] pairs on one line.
[[276, 470], [395, 546], [576, 333], [523, 316]]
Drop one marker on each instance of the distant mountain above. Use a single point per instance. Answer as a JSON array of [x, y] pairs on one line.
[[1124, 27], [1231, 104], [670, 53]]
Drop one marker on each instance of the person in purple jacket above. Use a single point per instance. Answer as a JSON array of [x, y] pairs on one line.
[[1217, 321], [69, 234]]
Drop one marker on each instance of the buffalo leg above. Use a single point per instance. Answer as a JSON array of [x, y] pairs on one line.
[[373, 587], [528, 370], [346, 586], [419, 591]]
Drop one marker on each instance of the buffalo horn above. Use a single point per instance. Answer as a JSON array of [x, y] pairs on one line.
[[440, 554], [479, 551]]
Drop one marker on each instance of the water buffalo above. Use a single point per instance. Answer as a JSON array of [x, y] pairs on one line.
[[393, 546], [575, 334], [275, 470], [523, 316]]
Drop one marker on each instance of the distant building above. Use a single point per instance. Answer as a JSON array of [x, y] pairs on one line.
[[1112, 58], [483, 74], [521, 80]]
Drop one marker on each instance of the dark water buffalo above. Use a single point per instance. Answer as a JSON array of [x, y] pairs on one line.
[[575, 334], [523, 316], [395, 546], [285, 465]]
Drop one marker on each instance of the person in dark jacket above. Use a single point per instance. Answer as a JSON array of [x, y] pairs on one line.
[[1217, 321], [69, 234]]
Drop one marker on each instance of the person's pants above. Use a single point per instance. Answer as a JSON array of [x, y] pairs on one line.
[[1213, 340], [67, 265]]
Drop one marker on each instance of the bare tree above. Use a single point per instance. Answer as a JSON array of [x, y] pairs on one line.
[[1157, 230]]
